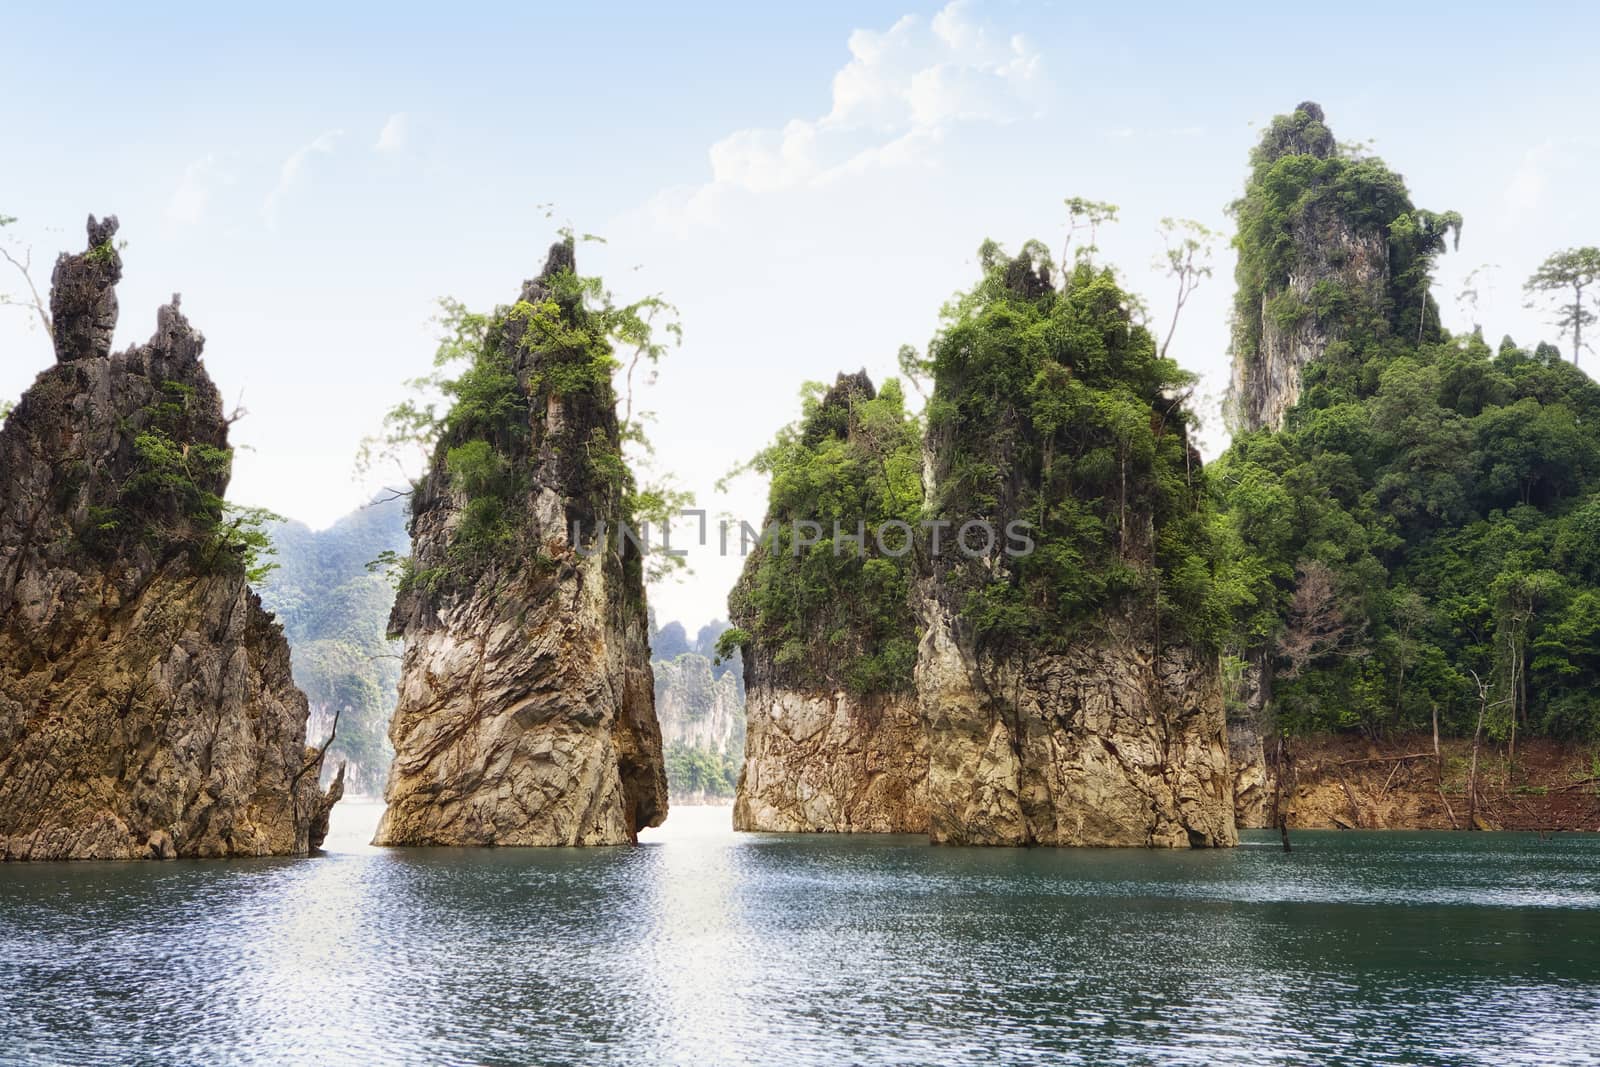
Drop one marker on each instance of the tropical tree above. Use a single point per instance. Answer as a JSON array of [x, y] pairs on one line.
[[1574, 271], [1090, 215], [1188, 261]]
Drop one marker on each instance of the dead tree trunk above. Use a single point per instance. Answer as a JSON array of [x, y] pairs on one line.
[[1282, 770], [1438, 771], [1477, 737]]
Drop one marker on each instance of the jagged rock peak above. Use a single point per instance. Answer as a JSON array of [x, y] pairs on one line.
[[526, 711], [83, 298], [146, 704], [562, 258], [1316, 264], [833, 411], [846, 386]]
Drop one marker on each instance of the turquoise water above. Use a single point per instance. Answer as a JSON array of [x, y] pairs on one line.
[[705, 947]]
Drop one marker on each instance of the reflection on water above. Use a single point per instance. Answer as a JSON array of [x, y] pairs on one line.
[[705, 947]]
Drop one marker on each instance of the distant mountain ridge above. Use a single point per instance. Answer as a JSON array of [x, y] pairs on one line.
[[700, 704], [334, 610]]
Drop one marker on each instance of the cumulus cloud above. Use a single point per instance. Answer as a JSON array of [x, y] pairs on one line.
[[193, 196], [893, 102], [395, 133], [293, 169]]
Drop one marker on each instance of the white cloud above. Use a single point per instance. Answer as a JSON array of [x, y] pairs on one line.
[[193, 195], [395, 133], [293, 167], [892, 103]]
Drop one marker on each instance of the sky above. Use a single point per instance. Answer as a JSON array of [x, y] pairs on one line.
[[808, 183]]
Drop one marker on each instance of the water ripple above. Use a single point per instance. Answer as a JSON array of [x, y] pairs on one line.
[[704, 947]]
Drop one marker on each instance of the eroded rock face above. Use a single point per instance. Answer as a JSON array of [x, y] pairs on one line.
[[696, 706], [817, 762], [526, 712], [1098, 745], [146, 704], [1248, 714]]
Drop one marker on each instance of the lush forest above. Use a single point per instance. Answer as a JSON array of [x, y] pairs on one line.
[[1436, 527], [824, 602], [1423, 535], [1054, 406], [334, 611]]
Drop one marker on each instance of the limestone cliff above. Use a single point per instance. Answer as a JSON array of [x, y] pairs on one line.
[[698, 707], [1333, 262], [1098, 744], [334, 612], [1326, 256], [1249, 696], [834, 739], [526, 713], [1069, 683], [146, 704], [818, 761]]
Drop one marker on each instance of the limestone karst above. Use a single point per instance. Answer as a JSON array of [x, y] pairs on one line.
[[834, 739], [1071, 693], [1039, 666], [526, 711], [700, 705], [146, 704], [1316, 268], [1333, 267]]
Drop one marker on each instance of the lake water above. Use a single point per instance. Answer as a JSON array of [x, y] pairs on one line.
[[706, 947]]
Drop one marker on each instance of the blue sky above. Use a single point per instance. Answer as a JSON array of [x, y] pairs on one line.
[[807, 183]]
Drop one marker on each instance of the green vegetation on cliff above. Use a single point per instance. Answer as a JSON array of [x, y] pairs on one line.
[[827, 606], [1308, 205], [529, 394], [171, 496], [1426, 519], [1052, 406]]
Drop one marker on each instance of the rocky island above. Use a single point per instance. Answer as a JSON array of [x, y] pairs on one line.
[[146, 704], [1065, 696], [526, 713], [1072, 693]]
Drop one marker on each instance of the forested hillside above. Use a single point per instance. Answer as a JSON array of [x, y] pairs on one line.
[[334, 611], [1423, 535]]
